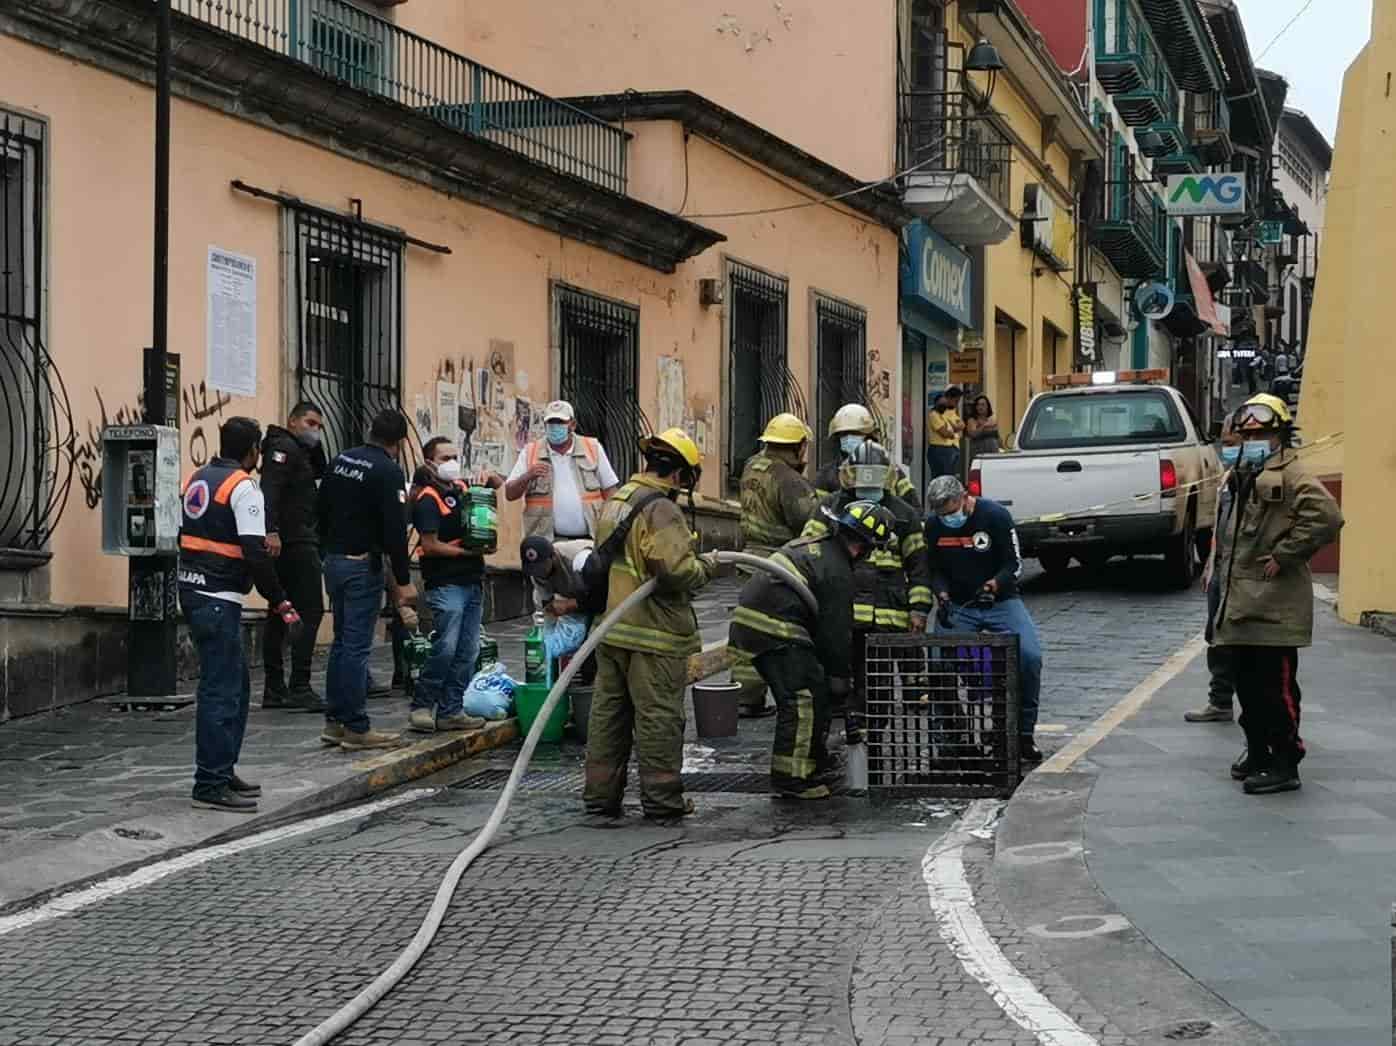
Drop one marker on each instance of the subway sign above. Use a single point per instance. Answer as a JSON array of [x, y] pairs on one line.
[[1204, 194]]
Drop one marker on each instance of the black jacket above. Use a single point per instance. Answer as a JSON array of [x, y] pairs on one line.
[[290, 472]]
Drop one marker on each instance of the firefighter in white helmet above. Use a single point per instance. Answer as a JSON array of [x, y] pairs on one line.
[[852, 426]]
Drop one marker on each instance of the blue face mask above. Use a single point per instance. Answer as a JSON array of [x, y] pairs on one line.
[[1255, 452], [848, 444], [557, 434], [1229, 456], [873, 494], [955, 520]]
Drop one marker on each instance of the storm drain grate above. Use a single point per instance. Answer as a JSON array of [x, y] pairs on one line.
[[570, 781], [1190, 1031]]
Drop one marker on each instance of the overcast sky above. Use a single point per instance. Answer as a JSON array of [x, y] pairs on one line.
[[1313, 53]]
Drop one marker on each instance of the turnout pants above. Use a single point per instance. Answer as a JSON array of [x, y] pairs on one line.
[[637, 696], [298, 567], [800, 751], [1268, 690]]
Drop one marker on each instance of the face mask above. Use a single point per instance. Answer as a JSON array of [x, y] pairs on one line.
[[848, 444], [873, 494], [1229, 456], [955, 520], [448, 471], [1255, 452], [308, 438], [557, 434]]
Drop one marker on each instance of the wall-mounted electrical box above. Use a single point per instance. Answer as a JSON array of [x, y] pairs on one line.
[[141, 513]]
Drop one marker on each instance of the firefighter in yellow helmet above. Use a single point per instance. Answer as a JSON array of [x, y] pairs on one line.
[[777, 500], [804, 656], [642, 666], [851, 426]]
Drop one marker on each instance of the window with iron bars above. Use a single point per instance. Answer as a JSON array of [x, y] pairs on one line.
[[349, 323], [599, 370], [841, 363], [36, 423], [759, 382]]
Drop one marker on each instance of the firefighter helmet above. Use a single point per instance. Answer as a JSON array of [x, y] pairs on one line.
[[1264, 411], [785, 429], [866, 468], [864, 521], [853, 417], [678, 443]]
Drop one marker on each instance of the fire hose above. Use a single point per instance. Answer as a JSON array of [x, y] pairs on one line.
[[431, 922]]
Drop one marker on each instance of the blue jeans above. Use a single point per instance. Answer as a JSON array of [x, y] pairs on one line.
[[215, 625], [1010, 615], [943, 461], [455, 614], [355, 588]]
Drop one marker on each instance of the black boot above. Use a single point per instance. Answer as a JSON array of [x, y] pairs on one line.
[[1245, 766], [1028, 752], [1280, 777], [275, 694]]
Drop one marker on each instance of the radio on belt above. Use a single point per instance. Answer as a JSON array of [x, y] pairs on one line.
[[141, 513]]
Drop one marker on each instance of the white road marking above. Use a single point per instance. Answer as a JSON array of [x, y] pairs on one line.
[[105, 889], [952, 900]]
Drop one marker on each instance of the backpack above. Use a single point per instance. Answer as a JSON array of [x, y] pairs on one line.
[[595, 575]]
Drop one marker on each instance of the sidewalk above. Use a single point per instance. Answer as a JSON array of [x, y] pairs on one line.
[[1280, 905], [91, 788]]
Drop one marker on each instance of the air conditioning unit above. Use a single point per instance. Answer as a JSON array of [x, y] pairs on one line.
[[1039, 219]]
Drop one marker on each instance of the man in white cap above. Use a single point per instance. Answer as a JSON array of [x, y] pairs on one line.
[[564, 479]]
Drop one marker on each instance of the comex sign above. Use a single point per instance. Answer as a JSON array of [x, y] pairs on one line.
[[937, 274], [1203, 194]]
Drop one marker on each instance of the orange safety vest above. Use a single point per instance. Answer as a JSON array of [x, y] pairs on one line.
[[538, 498]]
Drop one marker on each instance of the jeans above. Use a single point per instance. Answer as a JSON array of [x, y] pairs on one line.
[[215, 625], [355, 587], [943, 461], [455, 611], [1010, 615]]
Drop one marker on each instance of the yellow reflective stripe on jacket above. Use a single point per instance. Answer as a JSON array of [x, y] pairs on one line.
[[815, 528], [912, 544], [772, 626], [652, 640], [889, 618], [863, 614], [885, 559], [784, 560], [920, 595]]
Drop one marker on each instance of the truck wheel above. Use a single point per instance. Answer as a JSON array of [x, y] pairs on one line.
[[1181, 561], [1054, 563]]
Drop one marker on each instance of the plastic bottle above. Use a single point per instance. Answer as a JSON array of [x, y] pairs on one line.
[[535, 653]]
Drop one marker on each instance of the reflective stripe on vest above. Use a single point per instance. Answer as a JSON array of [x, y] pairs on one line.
[[218, 548], [593, 458]]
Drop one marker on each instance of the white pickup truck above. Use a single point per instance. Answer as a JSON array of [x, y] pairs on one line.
[[1107, 469]]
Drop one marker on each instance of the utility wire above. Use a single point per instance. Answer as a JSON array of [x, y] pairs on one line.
[[1308, 4]]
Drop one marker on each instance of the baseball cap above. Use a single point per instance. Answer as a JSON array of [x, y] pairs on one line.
[[559, 410], [536, 555]]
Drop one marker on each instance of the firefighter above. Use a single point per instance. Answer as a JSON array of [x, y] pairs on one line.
[[851, 427], [892, 586], [777, 501], [804, 656], [642, 665]]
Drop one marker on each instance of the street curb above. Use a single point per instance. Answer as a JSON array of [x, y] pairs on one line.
[[1380, 623], [1044, 883]]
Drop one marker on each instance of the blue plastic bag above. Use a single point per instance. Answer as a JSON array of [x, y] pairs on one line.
[[490, 694], [563, 635]]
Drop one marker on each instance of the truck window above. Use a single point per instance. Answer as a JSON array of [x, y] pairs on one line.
[[1101, 419]]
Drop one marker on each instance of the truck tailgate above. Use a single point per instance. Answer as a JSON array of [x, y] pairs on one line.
[[1033, 484]]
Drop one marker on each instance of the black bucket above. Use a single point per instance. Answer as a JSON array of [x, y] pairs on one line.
[[715, 708]]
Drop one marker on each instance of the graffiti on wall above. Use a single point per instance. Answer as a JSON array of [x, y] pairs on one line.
[[202, 412], [482, 406]]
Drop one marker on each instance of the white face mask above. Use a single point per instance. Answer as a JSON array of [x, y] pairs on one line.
[[449, 471]]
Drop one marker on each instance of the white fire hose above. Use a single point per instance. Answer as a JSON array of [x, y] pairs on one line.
[[402, 965]]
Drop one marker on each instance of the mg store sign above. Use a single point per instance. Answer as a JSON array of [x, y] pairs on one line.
[[1199, 195]]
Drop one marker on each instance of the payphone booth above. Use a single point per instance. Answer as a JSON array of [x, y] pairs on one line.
[[141, 513]]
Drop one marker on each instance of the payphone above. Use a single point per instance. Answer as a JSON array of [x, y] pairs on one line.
[[141, 512]]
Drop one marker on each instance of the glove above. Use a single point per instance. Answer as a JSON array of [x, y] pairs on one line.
[[289, 617], [838, 687], [408, 617], [709, 560]]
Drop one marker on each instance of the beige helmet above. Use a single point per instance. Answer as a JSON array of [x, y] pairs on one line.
[[853, 417]]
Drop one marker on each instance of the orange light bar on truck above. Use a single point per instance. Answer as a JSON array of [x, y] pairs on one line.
[[1107, 377]]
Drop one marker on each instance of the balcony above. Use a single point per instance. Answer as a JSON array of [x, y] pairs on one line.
[[1131, 66], [1187, 43], [960, 183], [1209, 128], [371, 54], [1133, 233]]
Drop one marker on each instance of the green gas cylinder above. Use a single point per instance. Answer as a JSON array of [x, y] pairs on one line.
[[481, 517]]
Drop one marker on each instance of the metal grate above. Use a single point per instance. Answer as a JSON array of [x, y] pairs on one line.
[[841, 364], [760, 383], [599, 372], [570, 781], [349, 305], [36, 422], [942, 714]]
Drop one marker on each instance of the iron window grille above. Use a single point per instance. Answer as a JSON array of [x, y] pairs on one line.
[[841, 363], [36, 421], [760, 384], [349, 330], [599, 371]]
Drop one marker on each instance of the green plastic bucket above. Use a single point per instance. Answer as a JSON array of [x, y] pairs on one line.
[[528, 700]]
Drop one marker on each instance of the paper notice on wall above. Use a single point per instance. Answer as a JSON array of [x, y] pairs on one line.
[[671, 393], [421, 416], [448, 410], [232, 322], [489, 454]]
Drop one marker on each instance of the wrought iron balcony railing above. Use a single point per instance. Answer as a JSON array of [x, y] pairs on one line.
[[1133, 233], [372, 54], [940, 132]]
